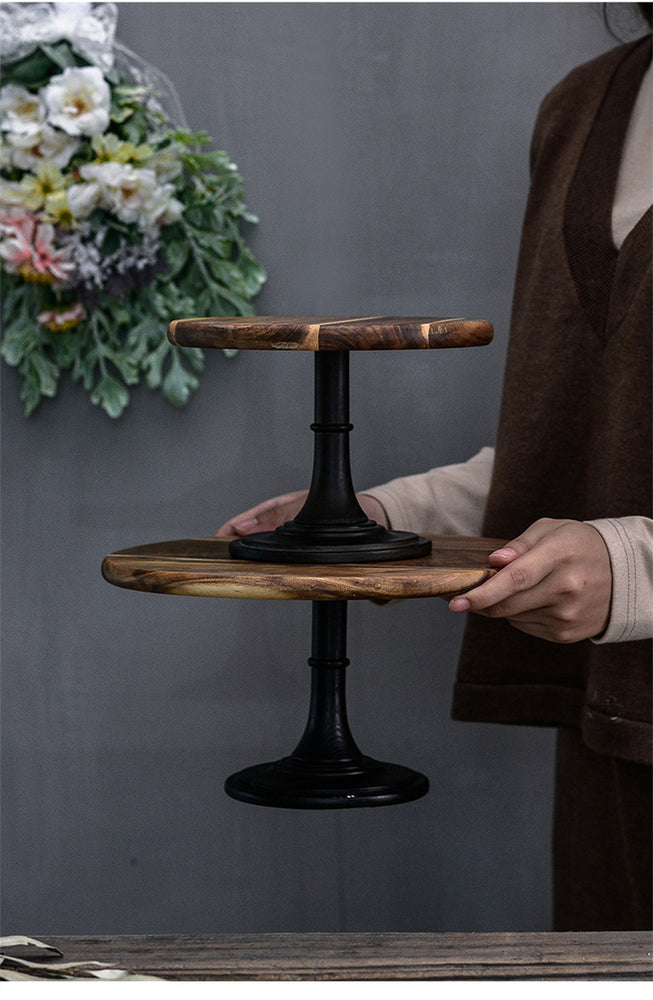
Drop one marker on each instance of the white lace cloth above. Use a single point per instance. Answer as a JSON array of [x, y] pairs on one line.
[[15, 968], [90, 28]]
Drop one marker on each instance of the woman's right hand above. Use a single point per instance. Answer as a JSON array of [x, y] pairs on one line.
[[272, 513], [265, 516]]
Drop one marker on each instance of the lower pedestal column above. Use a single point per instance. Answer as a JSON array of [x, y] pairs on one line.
[[327, 770]]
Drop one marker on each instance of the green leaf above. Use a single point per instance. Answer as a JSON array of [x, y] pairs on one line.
[[126, 366], [30, 392], [120, 113], [17, 342], [110, 395], [33, 71], [141, 335], [61, 54], [38, 378], [178, 383], [153, 364], [46, 373], [186, 138], [194, 356], [176, 254]]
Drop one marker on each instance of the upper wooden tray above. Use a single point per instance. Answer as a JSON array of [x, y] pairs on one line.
[[329, 333], [201, 567]]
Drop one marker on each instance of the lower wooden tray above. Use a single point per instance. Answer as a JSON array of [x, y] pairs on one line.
[[202, 567]]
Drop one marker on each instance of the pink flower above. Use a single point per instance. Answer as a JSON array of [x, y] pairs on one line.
[[62, 319], [27, 247], [47, 259], [16, 238]]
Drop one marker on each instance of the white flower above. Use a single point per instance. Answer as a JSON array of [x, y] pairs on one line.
[[20, 112], [123, 189], [131, 193], [78, 101], [161, 209], [134, 191], [5, 154], [28, 151], [83, 199]]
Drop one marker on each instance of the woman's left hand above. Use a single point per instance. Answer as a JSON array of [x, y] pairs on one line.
[[554, 582]]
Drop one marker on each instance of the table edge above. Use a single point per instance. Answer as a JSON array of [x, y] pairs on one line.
[[591, 955]]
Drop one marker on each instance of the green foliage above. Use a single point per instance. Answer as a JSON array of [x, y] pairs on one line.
[[202, 265]]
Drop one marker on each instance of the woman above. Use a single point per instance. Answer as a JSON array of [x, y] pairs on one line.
[[561, 635]]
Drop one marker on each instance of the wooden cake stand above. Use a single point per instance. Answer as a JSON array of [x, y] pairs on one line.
[[329, 554]]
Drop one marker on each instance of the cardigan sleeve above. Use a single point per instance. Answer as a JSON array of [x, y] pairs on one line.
[[629, 541], [449, 500]]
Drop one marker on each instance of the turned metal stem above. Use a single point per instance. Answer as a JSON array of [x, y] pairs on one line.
[[327, 770], [331, 526], [327, 737], [331, 498]]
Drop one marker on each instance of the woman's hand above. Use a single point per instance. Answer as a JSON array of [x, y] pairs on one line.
[[265, 516], [272, 513], [554, 582]]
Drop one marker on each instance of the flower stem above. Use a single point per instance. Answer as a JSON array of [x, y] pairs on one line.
[[98, 345], [195, 250]]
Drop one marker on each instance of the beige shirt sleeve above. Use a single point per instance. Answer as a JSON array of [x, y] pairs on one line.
[[629, 541], [449, 500], [633, 193]]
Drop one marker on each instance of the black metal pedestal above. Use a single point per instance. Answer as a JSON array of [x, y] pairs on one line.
[[327, 770], [331, 527]]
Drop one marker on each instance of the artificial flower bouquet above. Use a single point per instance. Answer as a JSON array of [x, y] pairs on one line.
[[113, 218]]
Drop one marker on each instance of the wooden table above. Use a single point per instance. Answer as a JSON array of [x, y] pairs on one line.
[[373, 956]]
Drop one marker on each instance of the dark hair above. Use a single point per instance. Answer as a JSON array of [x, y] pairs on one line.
[[646, 10]]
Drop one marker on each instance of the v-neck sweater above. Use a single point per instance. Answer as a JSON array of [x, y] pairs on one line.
[[551, 332], [574, 435]]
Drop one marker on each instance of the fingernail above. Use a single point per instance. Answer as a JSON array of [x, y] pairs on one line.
[[503, 552], [459, 604], [246, 525]]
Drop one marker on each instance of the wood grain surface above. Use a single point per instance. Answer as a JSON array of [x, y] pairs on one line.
[[202, 567], [329, 333], [373, 956]]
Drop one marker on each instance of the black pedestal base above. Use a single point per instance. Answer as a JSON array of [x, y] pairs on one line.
[[289, 547], [294, 784], [326, 770]]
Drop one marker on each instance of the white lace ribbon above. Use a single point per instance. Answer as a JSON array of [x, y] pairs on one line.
[[89, 27], [91, 30]]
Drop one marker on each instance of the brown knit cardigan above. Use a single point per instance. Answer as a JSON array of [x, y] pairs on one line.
[[575, 428]]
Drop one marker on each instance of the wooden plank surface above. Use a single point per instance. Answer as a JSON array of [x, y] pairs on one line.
[[329, 333], [373, 956], [201, 567]]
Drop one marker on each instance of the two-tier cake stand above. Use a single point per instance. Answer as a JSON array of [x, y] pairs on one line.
[[329, 554]]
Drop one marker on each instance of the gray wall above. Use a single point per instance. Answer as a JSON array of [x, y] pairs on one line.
[[384, 147]]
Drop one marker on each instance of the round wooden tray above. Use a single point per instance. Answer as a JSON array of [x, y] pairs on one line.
[[329, 333], [202, 567]]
